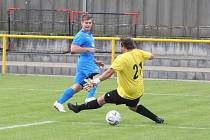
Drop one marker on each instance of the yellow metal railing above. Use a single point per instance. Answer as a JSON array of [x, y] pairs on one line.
[[4, 55], [6, 36], [112, 39]]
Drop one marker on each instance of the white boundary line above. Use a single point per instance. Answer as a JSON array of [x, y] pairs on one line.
[[164, 126], [147, 93], [72, 76], [173, 94], [25, 125], [30, 89]]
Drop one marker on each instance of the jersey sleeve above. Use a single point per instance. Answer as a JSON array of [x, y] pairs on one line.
[[78, 40], [146, 55], [116, 65]]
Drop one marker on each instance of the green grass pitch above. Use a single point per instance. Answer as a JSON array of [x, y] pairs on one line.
[[27, 113]]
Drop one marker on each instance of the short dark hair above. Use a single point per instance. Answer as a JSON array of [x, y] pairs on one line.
[[127, 43], [86, 17]]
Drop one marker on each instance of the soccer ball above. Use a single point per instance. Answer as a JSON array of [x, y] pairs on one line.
[[113, 117]]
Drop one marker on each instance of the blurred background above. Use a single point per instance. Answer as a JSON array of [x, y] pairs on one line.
[[147, 18]]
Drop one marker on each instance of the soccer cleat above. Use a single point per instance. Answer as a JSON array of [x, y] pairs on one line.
[[74, 108], [89, 99], [159, 120], [59, 107]]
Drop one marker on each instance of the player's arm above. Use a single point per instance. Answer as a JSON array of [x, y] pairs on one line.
[[91, 83], [151, 57], [99, 63], [147, 55], [108, 73], [116, 66], [78, 49]]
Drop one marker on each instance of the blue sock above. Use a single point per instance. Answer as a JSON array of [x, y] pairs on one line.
[[67, 94], [91, 92]]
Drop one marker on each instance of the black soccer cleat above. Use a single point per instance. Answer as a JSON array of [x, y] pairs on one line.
[[74, 108], [159, 120]]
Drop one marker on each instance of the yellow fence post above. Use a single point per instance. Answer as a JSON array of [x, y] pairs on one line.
[[113, 49], [4, 53]]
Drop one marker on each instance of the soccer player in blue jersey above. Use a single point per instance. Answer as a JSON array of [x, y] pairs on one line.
[[87, 66]]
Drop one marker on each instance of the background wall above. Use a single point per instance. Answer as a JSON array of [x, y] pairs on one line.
[[174, 18]]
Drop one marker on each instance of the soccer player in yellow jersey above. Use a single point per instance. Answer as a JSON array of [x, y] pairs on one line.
[[129, 68]]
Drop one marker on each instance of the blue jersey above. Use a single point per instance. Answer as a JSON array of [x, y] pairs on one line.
[[86, 61]]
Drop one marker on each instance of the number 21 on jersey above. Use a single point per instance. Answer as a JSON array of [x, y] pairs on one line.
[[137, 68]]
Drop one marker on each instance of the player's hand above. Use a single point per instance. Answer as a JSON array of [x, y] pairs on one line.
[[100, 64], [88, 85]]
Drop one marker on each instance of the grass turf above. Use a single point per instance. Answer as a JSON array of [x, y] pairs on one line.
[[27, 101]]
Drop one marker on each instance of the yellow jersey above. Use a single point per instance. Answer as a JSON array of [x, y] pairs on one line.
[[129, 69]]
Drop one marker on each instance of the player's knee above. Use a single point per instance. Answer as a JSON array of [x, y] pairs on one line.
[[101, 101], [76, 87]]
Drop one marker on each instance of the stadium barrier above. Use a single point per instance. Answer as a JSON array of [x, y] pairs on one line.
[[112, 39], [6, 36]]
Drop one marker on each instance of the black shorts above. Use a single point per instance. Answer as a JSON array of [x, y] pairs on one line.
[[114, 98]]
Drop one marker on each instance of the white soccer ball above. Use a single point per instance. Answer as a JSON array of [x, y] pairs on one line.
[[113, 117]]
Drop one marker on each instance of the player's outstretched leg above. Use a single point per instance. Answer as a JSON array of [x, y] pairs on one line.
[[67, 94], [90, 105], [147, 113], [73, 107], [159, 120]]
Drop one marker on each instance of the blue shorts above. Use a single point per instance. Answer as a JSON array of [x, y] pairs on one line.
[[80, 77]]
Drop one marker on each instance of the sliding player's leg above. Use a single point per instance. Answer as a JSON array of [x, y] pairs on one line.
[[147, 113]]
